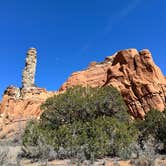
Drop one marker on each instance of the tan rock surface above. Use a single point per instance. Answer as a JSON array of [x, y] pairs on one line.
[[133, 73], [18, 106], [28, 75]]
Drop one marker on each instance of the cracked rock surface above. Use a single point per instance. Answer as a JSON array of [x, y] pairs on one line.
[[133, 73], [28, 76]]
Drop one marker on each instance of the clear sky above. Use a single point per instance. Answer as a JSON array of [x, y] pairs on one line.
[[69, 34]]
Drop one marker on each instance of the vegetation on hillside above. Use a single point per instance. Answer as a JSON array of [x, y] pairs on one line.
[[89, 123]]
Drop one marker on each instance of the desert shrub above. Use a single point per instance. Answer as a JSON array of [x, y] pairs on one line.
[[143, 161], [3, 155], [154, 126], [153, 122], [121, 135], [130, 152], [84, 104], [92, 122], [40, 152], [33, 132], [37, 149], [147, 155]]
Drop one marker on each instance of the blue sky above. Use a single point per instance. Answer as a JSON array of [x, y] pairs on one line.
[[69, 34]]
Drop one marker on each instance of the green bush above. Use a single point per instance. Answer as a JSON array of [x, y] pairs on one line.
[[84, 104], [92, 122], [3, 155], [31, 133], [154, 126]]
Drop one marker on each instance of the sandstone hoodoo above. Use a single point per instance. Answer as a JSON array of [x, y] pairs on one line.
[[21, 104], [133, 73], [28, 76]]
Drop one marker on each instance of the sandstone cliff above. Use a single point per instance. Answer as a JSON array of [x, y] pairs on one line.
[[133, 73]]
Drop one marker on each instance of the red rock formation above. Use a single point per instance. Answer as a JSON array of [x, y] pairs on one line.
[[20, 105], [133, 73]]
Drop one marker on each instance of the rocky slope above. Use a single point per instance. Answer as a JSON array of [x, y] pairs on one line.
[[133, 73]]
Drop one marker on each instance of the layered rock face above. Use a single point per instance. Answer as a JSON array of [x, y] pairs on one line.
[[133, 73], [28, 76]]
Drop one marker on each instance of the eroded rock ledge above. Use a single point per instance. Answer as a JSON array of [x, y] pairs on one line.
[[20, 105], [133, 73]]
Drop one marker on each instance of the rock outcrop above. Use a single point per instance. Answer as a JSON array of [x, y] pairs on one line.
[[18, 105], [28, 76], [133, 73], [27, 106]]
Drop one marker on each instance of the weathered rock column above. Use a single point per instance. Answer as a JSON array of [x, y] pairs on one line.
[[28, 76]]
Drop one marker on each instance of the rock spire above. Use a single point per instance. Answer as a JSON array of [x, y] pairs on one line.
[[28, 76]]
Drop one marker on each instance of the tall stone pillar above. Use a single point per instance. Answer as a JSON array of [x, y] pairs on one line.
[[28, 76]]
